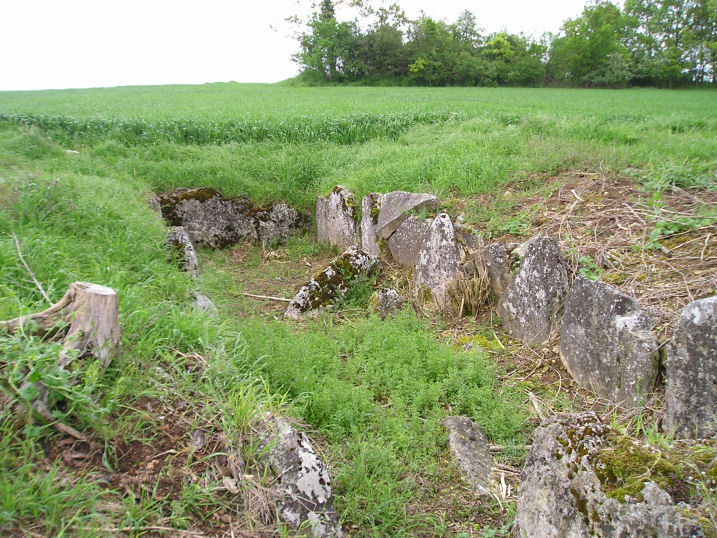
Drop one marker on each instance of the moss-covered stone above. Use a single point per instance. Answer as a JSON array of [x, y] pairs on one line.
[[330, 284]]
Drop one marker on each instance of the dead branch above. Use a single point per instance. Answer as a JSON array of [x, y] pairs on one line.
[[282, 299], [27, 268]]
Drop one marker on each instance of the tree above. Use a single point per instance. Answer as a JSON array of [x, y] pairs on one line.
[[591, 46]]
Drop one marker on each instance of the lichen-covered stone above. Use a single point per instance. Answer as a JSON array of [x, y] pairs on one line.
[[469, 447], [562, 488], [607, 343], [218, 222], [204, 304], [179, 240], [468, 239], [396, 207], [303, 485], [336, 218], [498, 266], [386, 302], [691, 372], [370, 207], [328, 286], [439, 259], [531, 306], [406, 242], [276, 223]]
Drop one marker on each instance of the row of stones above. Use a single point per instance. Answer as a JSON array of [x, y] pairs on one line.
[[606, 338]]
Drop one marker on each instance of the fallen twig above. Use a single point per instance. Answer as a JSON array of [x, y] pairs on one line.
[[27, 267], [282, 299]]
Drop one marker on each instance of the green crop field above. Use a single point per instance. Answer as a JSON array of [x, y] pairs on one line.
[[371, 393]]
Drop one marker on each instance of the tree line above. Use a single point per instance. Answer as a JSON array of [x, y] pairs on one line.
[[664, 43]]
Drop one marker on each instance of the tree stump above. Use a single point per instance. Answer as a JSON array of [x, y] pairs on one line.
[[92, 313]]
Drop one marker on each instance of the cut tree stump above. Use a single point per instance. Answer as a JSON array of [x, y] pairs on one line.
[[91, 311], [92, 314]]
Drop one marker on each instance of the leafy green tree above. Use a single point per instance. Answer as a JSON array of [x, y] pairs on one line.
[[588, 51]]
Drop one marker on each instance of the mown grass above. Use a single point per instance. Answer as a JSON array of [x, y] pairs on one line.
[[373, 391]]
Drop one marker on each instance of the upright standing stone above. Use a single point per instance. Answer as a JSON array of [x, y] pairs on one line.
[[607, 343], [406, 242], [498, 265], [691, 372], [336, 218], [395, 208], [370, 207], [439, 260], [531, 306]]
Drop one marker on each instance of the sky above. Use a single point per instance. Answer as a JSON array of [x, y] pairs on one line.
[[94, 43]]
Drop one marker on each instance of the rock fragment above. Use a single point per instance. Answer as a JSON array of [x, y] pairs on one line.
[[305, 498], [439, 259], [386, 302], [566, 477], [370, 207], [469, 447], [330, 284], [607, 343], [498, 265], [406, 242], [336, 218], [179, 240], [691, 372], [531, 306], [396, 207]]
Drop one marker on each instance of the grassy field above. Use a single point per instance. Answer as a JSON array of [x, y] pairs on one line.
[[371, 393]]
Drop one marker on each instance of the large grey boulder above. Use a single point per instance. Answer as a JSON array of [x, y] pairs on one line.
[[439, 259], [531, 306], [396, 207], [179, 240], [498, 266], [304, 496], [691, 372], [212, 220], [406, 242], [568, 473], [336, 218], [370, 207], [607, 343], [328, 286], [470, 451]]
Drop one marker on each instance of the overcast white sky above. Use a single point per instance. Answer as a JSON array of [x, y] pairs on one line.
[[89, 43]]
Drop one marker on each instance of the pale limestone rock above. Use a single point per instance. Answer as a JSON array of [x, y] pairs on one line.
[[691, 372], [396, 207], [530, 308], [305, 498], [336, 218], [607, 343], [406, 242], [470, 451], [179, 239], [370, 207], [438, 260]]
